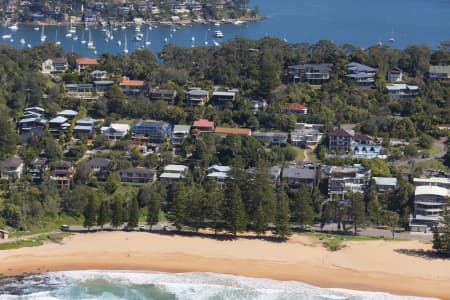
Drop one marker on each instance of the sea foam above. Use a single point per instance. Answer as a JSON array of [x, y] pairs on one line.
[[113, 285]]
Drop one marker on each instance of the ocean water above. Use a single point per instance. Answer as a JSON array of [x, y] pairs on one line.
[[359, 22], [112, 285]]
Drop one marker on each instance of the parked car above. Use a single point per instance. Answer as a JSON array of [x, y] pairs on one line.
[[142, 227], [64, 228]]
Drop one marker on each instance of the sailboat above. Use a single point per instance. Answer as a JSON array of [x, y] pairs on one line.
[[83, 41], [392, 39], [125, 49], [72, 28], [147, 41], [90, 44], [56, 38], [22, 41], [43, 36]]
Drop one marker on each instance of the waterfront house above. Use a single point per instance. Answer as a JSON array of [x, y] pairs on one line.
[[11, 168], [137, 175], [395, 74], [224, 131], [361, 75], [295, 108], [168, 95], [385, 184], [84, 63], [55, 65], [345, 179], [151, 131], [270, 138], [312, 73], [203, 126], [430, 198], [400, 91], [84, 128], [439, 72], [115, 131], [37, 169], [222, 100], [62, 174], [179, 133], [173, 173], [298, 176], [197, 97], [133, 87]]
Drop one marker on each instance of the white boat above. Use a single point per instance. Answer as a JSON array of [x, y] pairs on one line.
[[218, 34], [14, 27], [138, 38], [6, 36], [22, 41], [68, 34], [119, 43], [125, 48], [36, 28], [166, 40], [29, 45], [217, 24], [83, 41], [72, 29], [138, 29], [90, 44], [123, 27], [75, 38], [43, 36], [216, 43], [238, 22], [11, 40], [147, 41], [392, 40]]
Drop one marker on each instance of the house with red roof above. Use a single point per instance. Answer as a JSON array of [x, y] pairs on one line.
[[133, 87], [203, 125], [83, 63], [295, 108]]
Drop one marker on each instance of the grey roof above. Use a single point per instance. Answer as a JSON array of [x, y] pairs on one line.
[[357, 67], [12, 162], [59, 119], [138, 170], [197, 93], [181, 128], [83, 128], [392, 181], [67, 112], [101, 162], [298, 173], [321, 67], [270, 134], [86, 120], [440, 69], [103, 82]]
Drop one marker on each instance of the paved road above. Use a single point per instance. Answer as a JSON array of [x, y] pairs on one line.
[[439, 144]]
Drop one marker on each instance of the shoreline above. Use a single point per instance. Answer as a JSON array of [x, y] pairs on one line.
[[362, 265]]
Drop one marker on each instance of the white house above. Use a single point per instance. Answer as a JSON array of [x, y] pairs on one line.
[[11, 167], [115, 131], [399, 91], [173, 173]]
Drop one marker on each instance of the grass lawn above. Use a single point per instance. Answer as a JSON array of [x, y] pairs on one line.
[[335, 242], [300, 155], [311, 155], [38, 241], [432, 164]]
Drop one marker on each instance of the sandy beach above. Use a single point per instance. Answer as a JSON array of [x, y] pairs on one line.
[[363, 265]]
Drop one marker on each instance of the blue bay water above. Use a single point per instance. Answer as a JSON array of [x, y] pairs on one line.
[[358, 22], [131, 285]]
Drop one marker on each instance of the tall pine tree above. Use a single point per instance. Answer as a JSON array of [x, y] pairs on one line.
[[153, 207], [133, 214], [302, 210], [282, 216], [103, 214], [178, 201], [234, 211], [90, 211], [116, 213]]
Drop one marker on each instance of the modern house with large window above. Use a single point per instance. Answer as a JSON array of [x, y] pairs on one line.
[[138, 175], [197, 97], [115, 131], [430, 198], [361, 75], [271, 137], [179, 133], [151, 131], [173, 173], [312, 73], [400, 91], [55, 65], [222, 100], [345, 179]]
